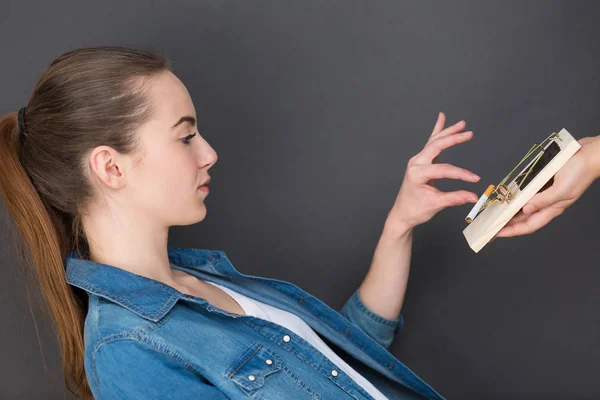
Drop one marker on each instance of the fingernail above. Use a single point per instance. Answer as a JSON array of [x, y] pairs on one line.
[[467, 133]]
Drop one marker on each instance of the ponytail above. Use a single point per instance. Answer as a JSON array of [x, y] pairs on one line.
[[46, 237]]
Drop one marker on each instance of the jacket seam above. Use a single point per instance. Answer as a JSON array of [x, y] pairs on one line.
[[140, 336]]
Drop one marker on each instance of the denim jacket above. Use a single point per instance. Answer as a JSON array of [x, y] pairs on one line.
[[146, 340]]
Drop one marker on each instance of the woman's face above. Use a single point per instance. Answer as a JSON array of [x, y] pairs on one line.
[[163, 188]]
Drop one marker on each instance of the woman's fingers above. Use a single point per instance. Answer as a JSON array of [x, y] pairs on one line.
[[439, 125], [435, 147], [451, 130], [439, 132], [426, 173], [531, 224], [460, 197]]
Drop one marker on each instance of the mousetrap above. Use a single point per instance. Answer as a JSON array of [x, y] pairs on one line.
[[499, 203]]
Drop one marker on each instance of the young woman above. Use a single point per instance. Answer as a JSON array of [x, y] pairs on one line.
[[97, 166]]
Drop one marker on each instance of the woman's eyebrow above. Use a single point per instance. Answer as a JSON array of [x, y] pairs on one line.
[[188, 118]]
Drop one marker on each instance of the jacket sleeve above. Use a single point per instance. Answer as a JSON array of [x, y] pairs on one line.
[[381, 329], [130, 369]]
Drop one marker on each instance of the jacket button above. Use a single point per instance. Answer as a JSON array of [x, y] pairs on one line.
[[286, 338], [269, 362], [301, 299], [251, 377], [390, 365], [334, 373], [346, 331]]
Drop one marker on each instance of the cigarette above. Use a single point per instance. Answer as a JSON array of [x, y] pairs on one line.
[[479, 204]]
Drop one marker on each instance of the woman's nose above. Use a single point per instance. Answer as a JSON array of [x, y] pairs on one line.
[[208, 156]]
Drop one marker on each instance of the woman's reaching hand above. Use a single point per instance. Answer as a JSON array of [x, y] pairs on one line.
[[418, 199]]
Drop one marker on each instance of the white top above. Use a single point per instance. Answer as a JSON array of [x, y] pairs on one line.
[[298, 326]]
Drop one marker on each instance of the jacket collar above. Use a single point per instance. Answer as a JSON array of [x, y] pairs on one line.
[[146, 297]]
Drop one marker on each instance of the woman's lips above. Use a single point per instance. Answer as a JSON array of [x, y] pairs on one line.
[[204, 187]]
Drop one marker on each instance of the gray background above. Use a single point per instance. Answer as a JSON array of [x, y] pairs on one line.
[[314, 108]]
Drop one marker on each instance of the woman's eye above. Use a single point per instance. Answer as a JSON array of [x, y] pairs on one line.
[[186, 140]]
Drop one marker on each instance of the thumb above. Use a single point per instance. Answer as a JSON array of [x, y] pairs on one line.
[[586, 140], [540, 200]]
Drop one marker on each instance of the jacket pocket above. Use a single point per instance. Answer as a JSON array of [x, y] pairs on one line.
[[251, 369]]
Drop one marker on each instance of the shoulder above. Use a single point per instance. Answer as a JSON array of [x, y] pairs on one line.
[[122, 346], [127, 366], [107, 319]]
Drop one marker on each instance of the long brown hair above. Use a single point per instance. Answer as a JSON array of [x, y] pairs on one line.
[[85, 98]]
